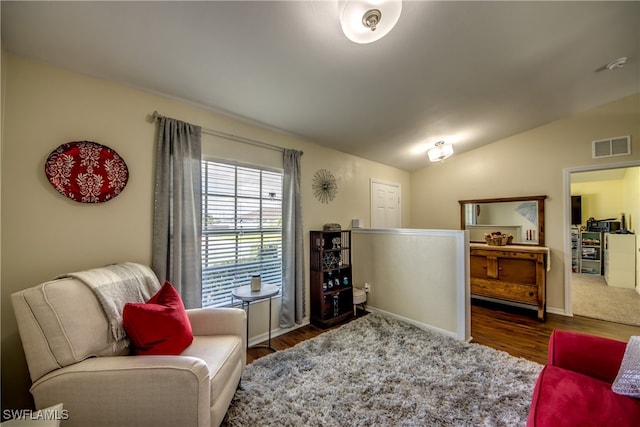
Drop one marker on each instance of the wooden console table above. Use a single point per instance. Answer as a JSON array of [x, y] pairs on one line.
[[510, 273]]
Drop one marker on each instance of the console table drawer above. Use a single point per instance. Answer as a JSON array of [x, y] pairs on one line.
[[504, 269]]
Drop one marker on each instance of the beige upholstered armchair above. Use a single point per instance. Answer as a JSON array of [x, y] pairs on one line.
[[72, 360]]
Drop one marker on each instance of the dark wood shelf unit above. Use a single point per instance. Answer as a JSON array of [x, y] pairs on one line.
[[331, 277]]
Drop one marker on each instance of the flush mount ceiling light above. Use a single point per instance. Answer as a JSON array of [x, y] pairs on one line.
[[616, 63], [440, 152], [365, 21]]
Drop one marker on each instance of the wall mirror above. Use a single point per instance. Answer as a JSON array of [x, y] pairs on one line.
[[522, 217]]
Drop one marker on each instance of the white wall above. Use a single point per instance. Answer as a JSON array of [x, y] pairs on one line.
[[45, 234], [527, 164]]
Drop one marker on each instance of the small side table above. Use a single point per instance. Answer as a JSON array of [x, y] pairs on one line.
[[244, 294]]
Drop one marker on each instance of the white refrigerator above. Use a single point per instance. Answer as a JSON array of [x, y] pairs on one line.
[[620, 260]]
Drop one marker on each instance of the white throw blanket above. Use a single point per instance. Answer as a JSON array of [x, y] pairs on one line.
[[114, 286]]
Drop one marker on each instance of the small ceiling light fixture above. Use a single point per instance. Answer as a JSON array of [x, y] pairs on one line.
[[365, 21], [616, 63], [440, 152]]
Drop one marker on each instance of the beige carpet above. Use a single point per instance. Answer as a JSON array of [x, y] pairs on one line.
[[591, 297]]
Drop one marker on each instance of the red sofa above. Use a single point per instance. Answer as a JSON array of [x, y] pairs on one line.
[[574, 388]]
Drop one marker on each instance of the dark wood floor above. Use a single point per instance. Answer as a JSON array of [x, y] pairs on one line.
[[513, 330]]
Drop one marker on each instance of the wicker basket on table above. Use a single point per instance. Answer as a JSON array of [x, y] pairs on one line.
[[498, 239]]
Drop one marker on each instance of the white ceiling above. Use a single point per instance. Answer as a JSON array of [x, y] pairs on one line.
[[469, 73]]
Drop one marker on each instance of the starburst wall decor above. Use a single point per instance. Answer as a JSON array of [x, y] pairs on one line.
[[324, 186]]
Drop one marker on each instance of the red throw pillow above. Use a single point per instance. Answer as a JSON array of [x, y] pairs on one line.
[[160, 326]]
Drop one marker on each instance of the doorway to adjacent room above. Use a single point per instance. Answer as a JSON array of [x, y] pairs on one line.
[[606, 193]]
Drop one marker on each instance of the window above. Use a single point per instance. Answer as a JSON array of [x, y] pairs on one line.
[[241, 228], [471, 211]]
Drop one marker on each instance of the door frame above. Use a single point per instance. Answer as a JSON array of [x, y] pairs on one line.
[[568, 306], [373, 181]]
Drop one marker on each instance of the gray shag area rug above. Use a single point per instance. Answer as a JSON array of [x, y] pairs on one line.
[[377, 370]]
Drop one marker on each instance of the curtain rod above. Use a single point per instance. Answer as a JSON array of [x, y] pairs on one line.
[[155, 116]]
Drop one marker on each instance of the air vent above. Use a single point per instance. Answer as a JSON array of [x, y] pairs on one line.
[[610, 147]]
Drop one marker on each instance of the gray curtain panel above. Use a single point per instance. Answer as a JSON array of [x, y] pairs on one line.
[[293, 286], [177, 227]]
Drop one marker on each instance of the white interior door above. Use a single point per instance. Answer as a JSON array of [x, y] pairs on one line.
[[385, 204]]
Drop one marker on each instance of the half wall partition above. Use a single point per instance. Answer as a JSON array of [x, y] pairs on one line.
[[420, 276]]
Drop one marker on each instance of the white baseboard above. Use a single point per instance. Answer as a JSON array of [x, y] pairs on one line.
[[413, 322], [281, 331], [559, 311]]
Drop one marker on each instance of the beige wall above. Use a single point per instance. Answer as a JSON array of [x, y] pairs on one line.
[[427, 286], [631, 206], [635, 221], [45, 234], [600, 199], [527, 164], [612, 197]]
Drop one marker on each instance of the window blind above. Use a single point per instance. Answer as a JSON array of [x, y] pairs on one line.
[[241, 228]]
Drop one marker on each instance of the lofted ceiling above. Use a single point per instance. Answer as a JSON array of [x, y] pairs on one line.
[[469, 73]]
